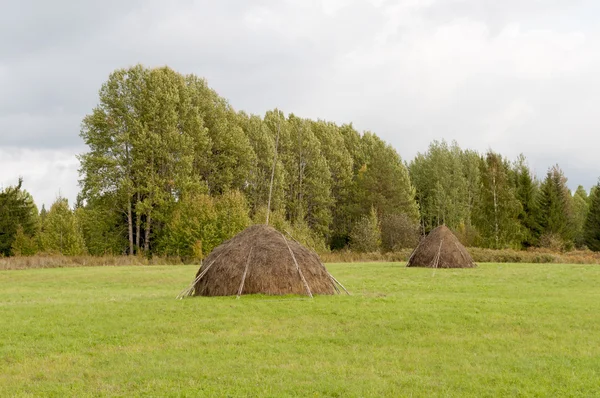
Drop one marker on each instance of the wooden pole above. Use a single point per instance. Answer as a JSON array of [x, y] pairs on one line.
[[273, 170], [297, 267], [437, 257], [414, 251], [186, 292], [338, 282], [245, 272], [322, 265]]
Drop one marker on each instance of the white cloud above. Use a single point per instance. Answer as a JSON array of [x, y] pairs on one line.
[[47, 174]]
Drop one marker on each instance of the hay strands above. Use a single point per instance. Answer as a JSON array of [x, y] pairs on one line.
[[298, 267], [436, 259], [463, 254], [244, 275], [188, 291], [335, 281], [414, 251], [338, 282]]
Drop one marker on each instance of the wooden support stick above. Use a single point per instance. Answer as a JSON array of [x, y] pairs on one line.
[[437, 257], [186, 292], [297, 267], [322, 265], [338, 282], [245, 272], [413, 252], [273, 171]]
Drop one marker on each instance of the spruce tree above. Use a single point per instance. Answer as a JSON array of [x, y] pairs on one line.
[[580, 212], [526, 191], [17, 209], [591, 230], [556, 208]]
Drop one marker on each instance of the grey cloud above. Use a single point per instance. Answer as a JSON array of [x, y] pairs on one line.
[[516, 76]]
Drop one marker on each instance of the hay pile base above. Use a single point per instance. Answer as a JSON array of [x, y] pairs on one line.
[[441, 249], [261, 260]]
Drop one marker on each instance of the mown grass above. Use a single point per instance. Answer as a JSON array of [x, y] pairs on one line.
[[497, 330]]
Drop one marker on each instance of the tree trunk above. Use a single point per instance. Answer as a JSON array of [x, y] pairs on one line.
[[147, 233], [496, 229], [138, 228], [130, 225], [129, 212]]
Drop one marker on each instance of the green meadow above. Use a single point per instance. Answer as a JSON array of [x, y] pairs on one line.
[[526, 330]]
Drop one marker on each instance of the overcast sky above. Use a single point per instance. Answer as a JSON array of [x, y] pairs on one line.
[[512, 75]]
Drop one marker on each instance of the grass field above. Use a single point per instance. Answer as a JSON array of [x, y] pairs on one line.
[[498, 330]]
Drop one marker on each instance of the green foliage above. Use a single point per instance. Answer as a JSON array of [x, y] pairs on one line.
[[340, 165], [556, 216], [365, 236], [193, 224], [199, 223], [23, 245], [263, 141], [299, 231], [308, 182], [383, 182], [527, 192], [17, 210], [61, 232], [581, 208], [447, 184], [102, 228], [591, 230], [398, 231], [232, 214], [159, 140], [498, 209]]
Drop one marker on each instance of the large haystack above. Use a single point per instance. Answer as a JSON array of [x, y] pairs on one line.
[[441, 249], [262, 260]]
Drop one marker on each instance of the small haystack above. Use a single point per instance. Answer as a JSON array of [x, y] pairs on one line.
[[261, 260], [440, 249]]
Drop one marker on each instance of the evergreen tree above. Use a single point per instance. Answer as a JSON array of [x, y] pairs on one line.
[[580, 212], [591, 230], [527, 195], [556, 211], [17, 210]]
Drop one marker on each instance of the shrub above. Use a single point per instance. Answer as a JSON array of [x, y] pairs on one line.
[[398, 231], [365, 236]]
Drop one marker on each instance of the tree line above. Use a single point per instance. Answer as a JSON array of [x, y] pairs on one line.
[[172, 169]]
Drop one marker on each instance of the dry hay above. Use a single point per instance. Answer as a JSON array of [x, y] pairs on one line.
[[259, 260], [441, 249]]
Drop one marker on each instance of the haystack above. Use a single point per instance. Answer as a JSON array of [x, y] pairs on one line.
[[440, 249], [261, 260]]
